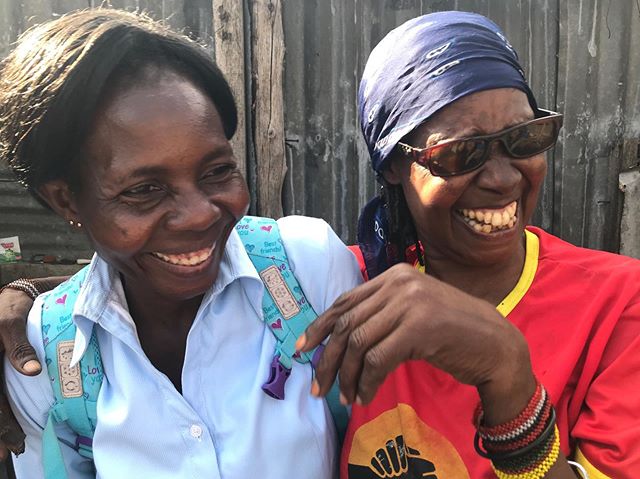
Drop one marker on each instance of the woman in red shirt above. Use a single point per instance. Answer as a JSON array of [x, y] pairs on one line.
[[458, 143]]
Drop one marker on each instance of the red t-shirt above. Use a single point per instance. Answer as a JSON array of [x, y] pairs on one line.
[[579, 310]]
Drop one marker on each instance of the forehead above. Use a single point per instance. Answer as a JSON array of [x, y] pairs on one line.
[[482, 112], [148, 121], [168, 99]]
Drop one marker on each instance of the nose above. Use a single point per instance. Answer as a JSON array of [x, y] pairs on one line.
[[193, 211], [500, 173]]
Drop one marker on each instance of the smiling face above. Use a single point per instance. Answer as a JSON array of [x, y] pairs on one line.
[[476, 218], [161, 190]]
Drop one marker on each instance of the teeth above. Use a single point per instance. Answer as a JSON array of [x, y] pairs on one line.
[[487, 221], [186, 259]]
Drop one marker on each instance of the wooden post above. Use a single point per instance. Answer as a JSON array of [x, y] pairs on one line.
[[267, 41], [228, 27]]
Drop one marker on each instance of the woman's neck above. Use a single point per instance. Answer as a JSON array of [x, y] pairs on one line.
[[151, 310], [491, 282], [163, 326]]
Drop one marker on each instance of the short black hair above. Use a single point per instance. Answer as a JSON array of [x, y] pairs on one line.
[[53, 82]]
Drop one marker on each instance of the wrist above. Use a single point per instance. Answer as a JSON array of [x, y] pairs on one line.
[[511, 386], [527, 446], [25, 286]]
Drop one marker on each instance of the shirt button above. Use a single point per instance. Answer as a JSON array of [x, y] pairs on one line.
[[196, 431]]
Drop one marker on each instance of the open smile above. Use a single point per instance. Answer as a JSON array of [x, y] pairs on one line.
[[489, 221], [192, 258]]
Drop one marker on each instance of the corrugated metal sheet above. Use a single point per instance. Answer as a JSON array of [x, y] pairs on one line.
[[599, 92]]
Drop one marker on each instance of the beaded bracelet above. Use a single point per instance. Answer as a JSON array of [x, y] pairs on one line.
[[23, 285], [541, 467], [525, 447]]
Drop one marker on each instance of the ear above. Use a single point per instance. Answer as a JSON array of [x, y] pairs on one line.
[[58, 195], [392, 174]]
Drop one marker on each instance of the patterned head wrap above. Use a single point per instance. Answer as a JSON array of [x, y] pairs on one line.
[[416, 70]]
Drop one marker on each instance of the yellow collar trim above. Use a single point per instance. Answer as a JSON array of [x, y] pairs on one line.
[[532, 245], [591, 470]]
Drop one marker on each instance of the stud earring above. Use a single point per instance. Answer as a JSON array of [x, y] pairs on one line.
[[76, 224]]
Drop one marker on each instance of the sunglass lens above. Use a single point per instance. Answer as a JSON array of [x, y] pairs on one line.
[[457, 157], [532, 139]]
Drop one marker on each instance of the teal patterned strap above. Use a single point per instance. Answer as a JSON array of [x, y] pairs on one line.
[[286, 310], [75, 388]]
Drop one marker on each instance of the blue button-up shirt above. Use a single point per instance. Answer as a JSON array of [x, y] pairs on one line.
[[222, 425]]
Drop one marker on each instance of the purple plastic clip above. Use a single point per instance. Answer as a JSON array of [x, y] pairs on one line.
[[278, 376], [84, 441]]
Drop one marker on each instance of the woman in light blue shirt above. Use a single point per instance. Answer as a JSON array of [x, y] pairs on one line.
[[121, 128]]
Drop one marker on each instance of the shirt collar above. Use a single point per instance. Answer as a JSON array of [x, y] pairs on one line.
[[103, 286]]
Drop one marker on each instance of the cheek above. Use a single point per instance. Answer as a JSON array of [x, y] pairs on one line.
[[235, 198], [118, 234], [433, 192], [535, 171]]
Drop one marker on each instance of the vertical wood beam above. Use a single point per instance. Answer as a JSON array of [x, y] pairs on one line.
[[267, 42], [228, 27]]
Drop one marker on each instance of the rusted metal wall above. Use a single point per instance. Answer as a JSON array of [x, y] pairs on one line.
[[582, 57]]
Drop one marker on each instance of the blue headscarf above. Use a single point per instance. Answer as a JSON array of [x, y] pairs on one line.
[[416, 70]]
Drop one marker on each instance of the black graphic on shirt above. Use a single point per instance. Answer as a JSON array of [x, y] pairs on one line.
[[395, 460]]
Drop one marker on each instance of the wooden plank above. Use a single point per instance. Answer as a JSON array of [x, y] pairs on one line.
[[267, 46], [228, 28]]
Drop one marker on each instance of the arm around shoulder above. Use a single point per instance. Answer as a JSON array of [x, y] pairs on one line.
[[31, 399]]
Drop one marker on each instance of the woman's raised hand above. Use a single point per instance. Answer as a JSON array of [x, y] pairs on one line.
[[404, 314]]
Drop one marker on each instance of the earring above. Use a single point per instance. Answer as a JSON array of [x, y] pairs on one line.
[[76, 224]]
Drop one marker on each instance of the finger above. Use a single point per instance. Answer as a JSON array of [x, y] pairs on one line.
[[14, 308], [21, 354], [333, 354], [379, 324], [394, 455], [383, 459], [323, 325], [378, 362], [402, 453]]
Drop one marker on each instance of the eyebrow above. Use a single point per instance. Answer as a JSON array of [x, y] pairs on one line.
[[153, 170]]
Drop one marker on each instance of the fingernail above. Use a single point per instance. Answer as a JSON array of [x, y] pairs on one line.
[[315, 388], [302, 340], [31, 366], [343, 399], [358, 401]]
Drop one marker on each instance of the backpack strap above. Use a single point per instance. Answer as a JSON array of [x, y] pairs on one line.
[[286, 311], [75, 388]]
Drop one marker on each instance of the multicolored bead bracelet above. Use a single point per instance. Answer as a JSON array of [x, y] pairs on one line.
[[525, 447]]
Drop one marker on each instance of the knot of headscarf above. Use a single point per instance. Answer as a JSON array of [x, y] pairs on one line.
[[416, 70]]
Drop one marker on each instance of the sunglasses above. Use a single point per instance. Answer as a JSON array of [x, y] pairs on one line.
[[463, 155]]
